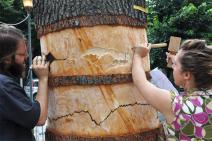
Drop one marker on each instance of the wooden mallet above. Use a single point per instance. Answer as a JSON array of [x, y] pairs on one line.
[[174, 44], [173, 48]]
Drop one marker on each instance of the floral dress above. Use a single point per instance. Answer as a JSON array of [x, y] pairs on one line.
[[193, 116]]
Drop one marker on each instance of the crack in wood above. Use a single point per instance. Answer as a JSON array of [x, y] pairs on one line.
[[92, 119]]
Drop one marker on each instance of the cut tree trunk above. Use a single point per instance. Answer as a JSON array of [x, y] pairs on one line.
[[91, 94]]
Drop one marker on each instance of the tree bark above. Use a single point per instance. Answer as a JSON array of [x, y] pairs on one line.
[[154, 135], [54, 15]]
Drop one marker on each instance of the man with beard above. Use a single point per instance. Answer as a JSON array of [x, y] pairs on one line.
[[18, 115]]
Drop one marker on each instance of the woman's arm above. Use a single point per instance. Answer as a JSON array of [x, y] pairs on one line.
[[158, 98]]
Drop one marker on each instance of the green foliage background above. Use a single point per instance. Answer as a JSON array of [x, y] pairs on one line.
[[12, 11], [187, 19]]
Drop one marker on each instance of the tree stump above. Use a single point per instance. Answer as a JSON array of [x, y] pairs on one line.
[[91, 94]]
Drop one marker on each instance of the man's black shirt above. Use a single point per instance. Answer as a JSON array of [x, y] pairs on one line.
[[18, 115]]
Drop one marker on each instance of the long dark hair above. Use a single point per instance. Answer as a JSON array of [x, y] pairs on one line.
[[197, 58], [9, 39]]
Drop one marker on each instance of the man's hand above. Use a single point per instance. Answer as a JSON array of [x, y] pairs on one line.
[[40, 67]]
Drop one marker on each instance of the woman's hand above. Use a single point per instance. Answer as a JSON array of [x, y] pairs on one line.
[[40, 67], [142, 50], [169, 57]]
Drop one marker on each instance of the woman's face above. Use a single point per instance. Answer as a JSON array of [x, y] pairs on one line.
[[177, 71]]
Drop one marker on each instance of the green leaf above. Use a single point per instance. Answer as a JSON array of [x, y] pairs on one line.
[[188, 129], [208, 130]]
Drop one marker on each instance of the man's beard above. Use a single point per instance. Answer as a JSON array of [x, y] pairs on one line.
[[16, 69]]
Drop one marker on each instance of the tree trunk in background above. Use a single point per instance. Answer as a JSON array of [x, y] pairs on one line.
[[91, 94]]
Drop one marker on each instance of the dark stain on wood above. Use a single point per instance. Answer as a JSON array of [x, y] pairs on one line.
[[109, 79], [153, 135], [89, 80]]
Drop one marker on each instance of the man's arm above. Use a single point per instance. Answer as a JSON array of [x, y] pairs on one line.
[[42, 98], [41, 69]]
